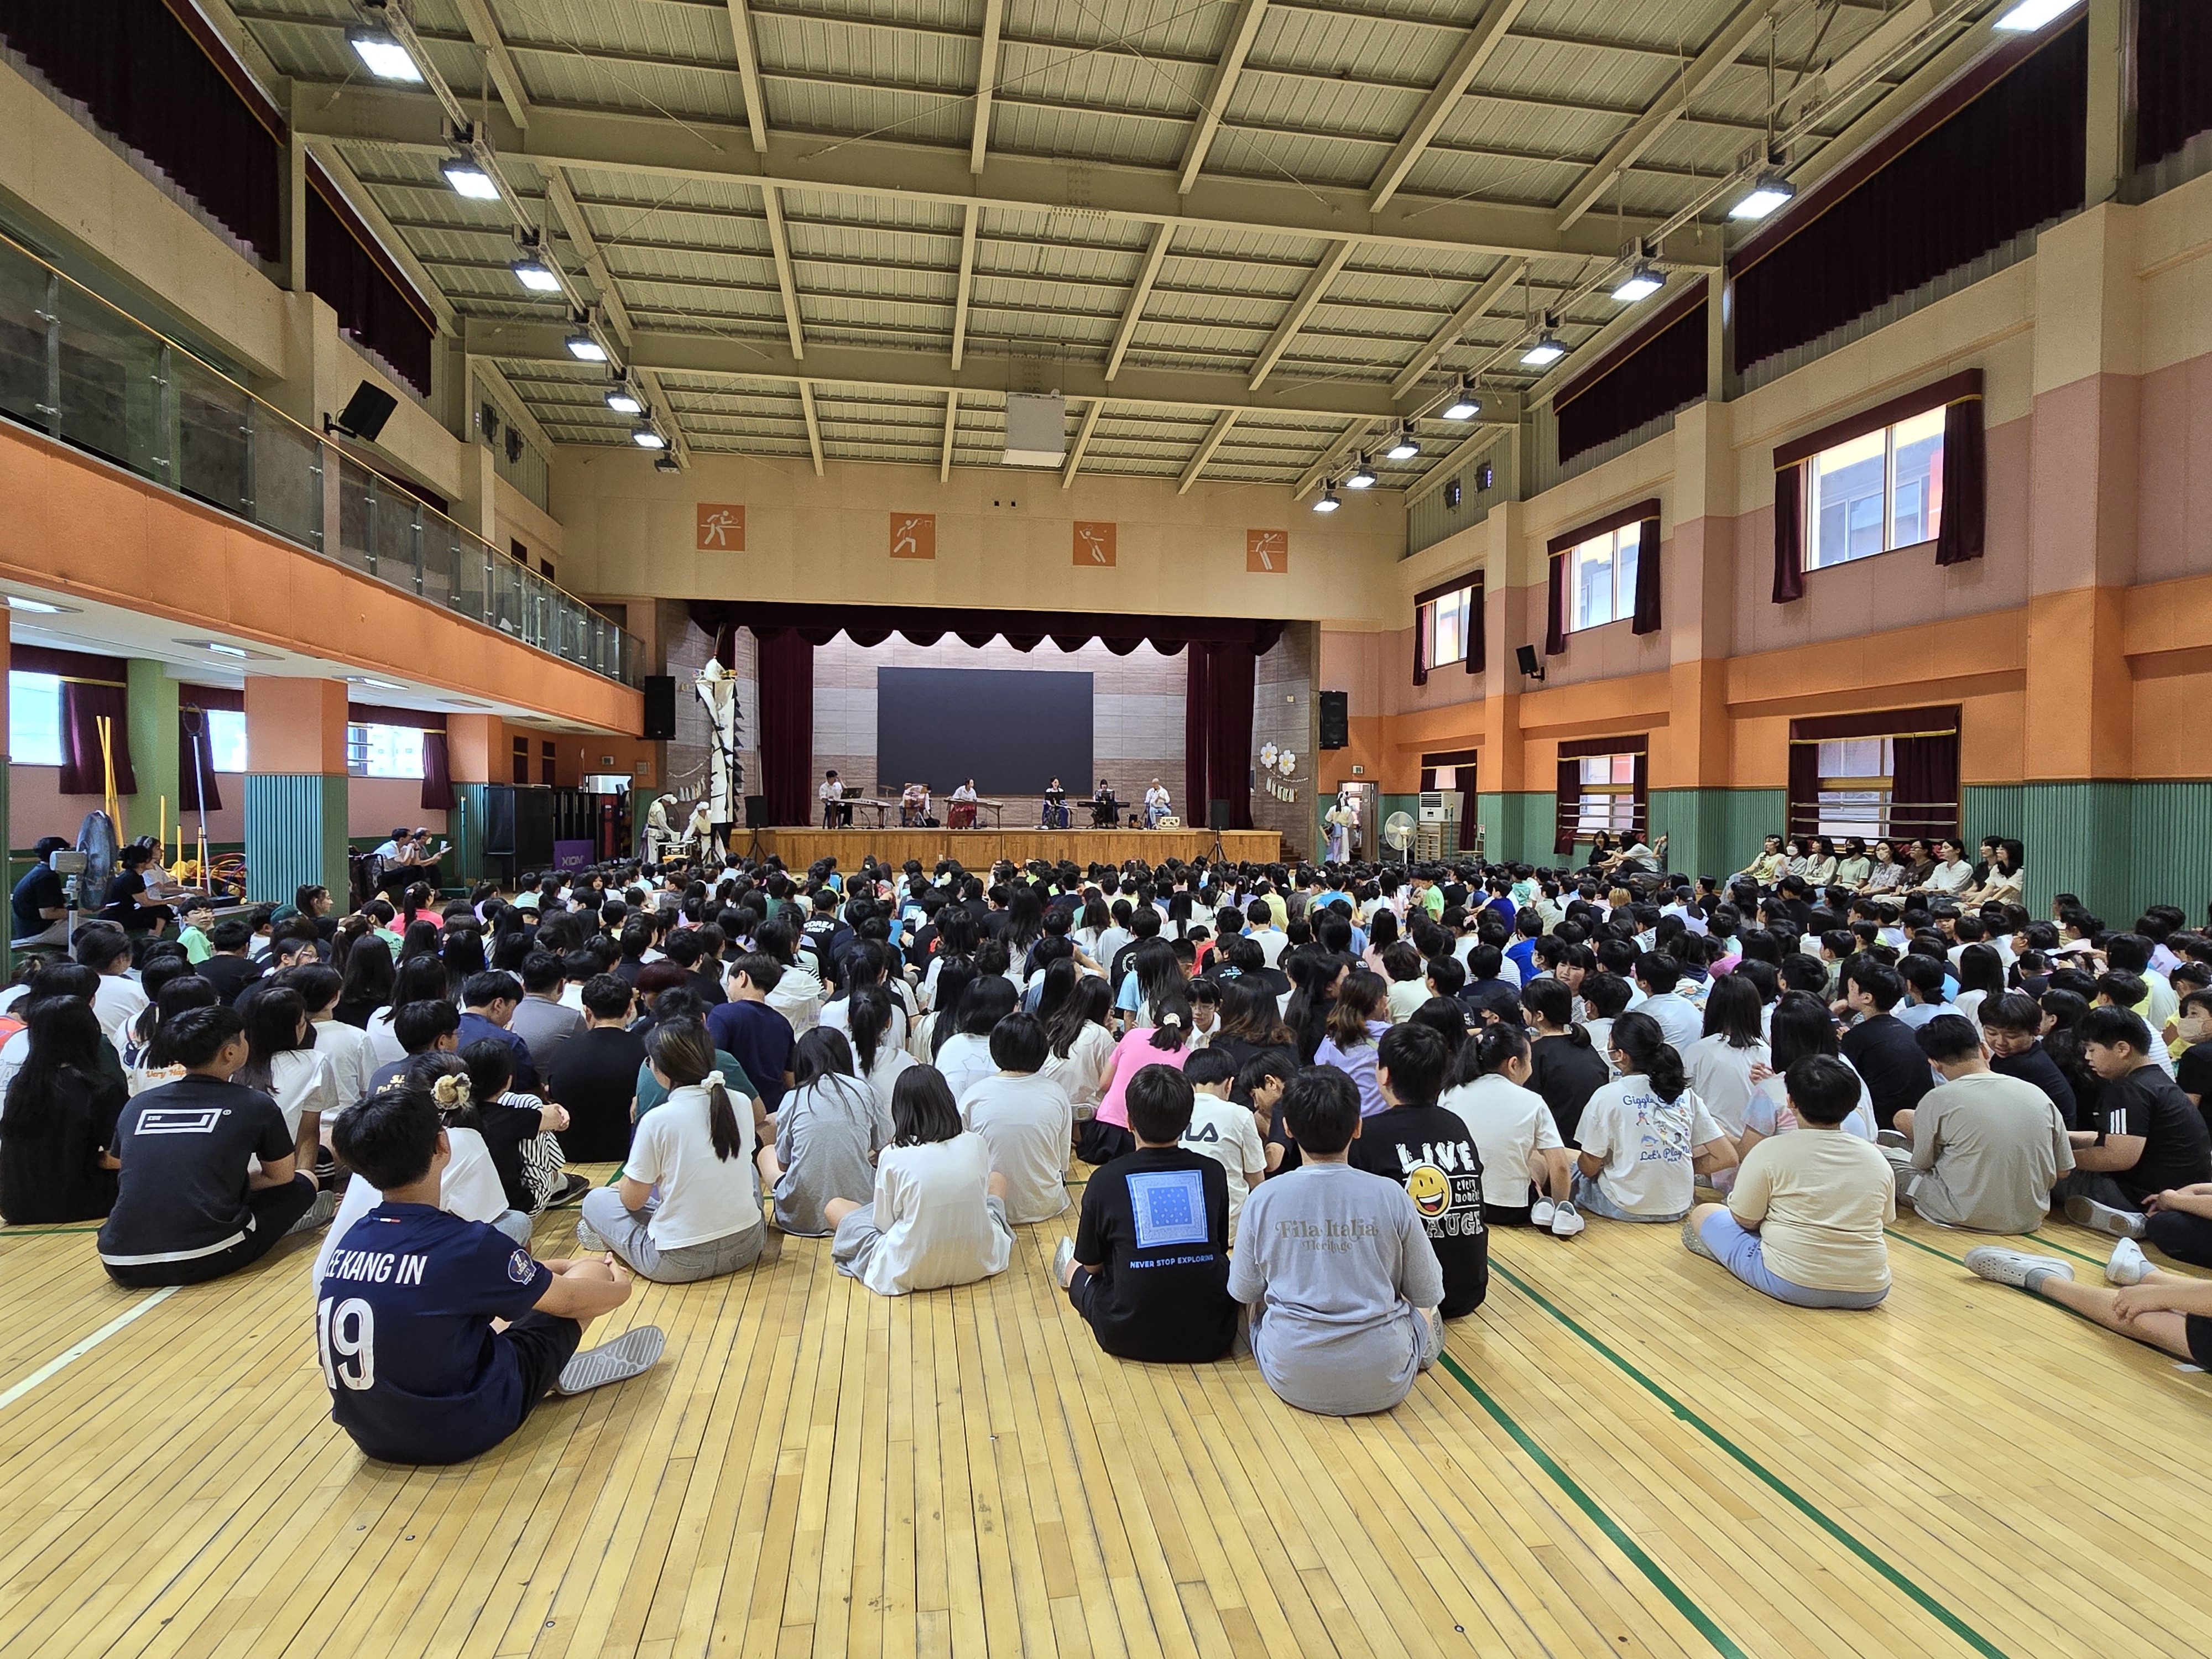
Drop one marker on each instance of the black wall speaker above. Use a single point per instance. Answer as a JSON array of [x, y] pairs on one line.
[[499, 820], [660, 706], [533, 828], [1335, 720], [756, 816], [1217, 814], [366, 412], [1526, 656]]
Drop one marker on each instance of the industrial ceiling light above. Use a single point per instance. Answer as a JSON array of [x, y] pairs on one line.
[[2031, 15], [1546, 350], [668, 463], [382, 56], [645, 438], [1641, 283], [1769, 191], [1464, 404], [534, 274], [585, 349], [1361, 476], [623, 400], [1404, 446], [1328, 502], [468, 177]]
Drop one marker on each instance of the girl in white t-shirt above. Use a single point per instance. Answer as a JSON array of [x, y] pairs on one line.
[[1078, 1046], [687, 1207], [877, 1058], [938, 1215], [1721, 1064], [1526, 1177], [1646, 1136]]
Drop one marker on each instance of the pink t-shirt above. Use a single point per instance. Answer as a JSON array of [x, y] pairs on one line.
[[1130, 1055]]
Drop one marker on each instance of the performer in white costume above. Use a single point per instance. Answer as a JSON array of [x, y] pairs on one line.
[[703, 835], [659, 833], [718, 692], [1343, 822]]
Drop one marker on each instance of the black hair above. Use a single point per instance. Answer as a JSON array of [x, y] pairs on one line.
[[922, 1109], [682, 1051], [989, 998], [418, 1026], [2111, 1027], [1802, 1025], [605, 996], [197, 1036], [1018, 1042], [65, 1037], [760, 968], [1823, 1089], [1732, 1008], [1884, 984], [1550, 1000], [1209, 1066], [2013, 1010], [1607, 994], [1950, 1037], [491, 1066], [822, 1052], [272, 1021], [480, 990], [390, 1139], [1320, 1107], [1415, 1057], [1644, 1045], [1160, 1100]]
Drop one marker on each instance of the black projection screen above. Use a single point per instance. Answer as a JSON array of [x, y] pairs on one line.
[[1012, 730]]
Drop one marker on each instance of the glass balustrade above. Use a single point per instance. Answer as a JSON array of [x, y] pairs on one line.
[[76, 369]]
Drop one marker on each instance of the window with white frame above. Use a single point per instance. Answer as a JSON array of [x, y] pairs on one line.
[[1607, 799], [384, 751], [1876, 493], [1447, 622], [227, 739], [34, 719], [1856, 775], [1602, 578]]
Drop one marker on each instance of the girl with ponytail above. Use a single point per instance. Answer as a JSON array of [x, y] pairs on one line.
[[877, 1059], [1526, 1174], [687, 1207], [1646, 1137]]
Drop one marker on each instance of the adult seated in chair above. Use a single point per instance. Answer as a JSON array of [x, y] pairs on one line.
[[963, 813], [40, 905], [1055, 806], [1157, 804], [835, 815], [913, 805], [1105, 810]]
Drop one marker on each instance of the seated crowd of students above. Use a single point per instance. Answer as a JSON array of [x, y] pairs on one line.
[[1309, 1095]]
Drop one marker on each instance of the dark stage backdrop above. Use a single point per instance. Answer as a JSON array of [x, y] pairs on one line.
[[1011, 730]]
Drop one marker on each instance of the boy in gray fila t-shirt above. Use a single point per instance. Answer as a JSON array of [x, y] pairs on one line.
[[1336, 1268]]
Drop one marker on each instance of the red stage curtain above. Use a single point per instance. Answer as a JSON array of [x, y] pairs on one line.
[[437, 771], [1804, 809], [786, 726], [1661, 369], [2173, 76], [1567, 806], [1959, 538], [1648, 576], [1555, 624], [1925, 785], [1789, 533], [1218, 686], [82, 704]]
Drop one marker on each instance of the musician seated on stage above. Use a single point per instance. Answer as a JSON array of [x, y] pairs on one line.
[[1055, 806], [963, 815], [914, 804], [1105, 810], [835, 815]]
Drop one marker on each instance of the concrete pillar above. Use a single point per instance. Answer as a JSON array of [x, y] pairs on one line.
[[295, 787], [479, 754], [152, 725]]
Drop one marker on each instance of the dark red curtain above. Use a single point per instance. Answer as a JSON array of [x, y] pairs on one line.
[[1555, 603], [371, 307], [1924, 788], [83, 705], [924, 625], [438, 771], [2010, 160], [2173, 76], [1804, 808], [1420, 644], [193, 737], [1789, 533], [1649, 572], [145, 80], [1958, 538], [1218, 684], [1661, 371], [1568, 806], [786, 726]]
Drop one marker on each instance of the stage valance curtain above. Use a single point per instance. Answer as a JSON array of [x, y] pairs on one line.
[[872, 624]]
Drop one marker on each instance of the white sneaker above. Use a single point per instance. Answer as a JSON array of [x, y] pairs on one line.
[[1541, 1212], [588, 1239], [1568, 1221], [2017, 1268], [1062, 1257], [2128, 1265]]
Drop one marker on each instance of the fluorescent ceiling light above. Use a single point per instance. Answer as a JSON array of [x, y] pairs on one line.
[[38, 607], [2031, 14], [374, 684], [1404, 446], [221, 650], [586, 349], [645, 438], [1361, 476], [623, 401], [463, 174], [537, 276], [1328, 502], [382, 56], [1769, 192], [1546, 350], [1640, 283]]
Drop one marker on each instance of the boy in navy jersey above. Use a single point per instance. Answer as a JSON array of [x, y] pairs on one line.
[[437, 1335]]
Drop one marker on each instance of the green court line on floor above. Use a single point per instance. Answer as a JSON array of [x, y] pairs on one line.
[[1677, 1597], [1906, 1238], [42, 1232], [1927, 1603]]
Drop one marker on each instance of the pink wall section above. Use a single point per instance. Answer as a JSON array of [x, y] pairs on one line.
[[2174, 471], [37, 807]]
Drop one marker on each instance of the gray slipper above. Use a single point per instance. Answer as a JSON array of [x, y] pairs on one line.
[[629, 1355], [1694, 1244]]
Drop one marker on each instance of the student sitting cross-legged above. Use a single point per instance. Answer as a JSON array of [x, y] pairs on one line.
[[437, 1335], [938, 1215], [687, 1207], [1025, 1120], [1803, 1222], [828, 1132], [1985, 1149], [1645, 1137], [186, 1207], [1430, 1150], [1527, 1175], [1148, 1266], [1336, 1266], [1223, 1130]]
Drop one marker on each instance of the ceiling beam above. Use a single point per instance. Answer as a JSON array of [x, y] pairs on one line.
[[1309, 296], [1241, 30], [657, 399], [1082, 442], [1133, 311], [766, 357], [1487, 35], [506, 73], [951, 426], [986, 77], [1345, 442], [967, 284], [813, 424], [891, 170], [749, 75], [778, 242], [570, 214], [1720, 52], [1477, 305], [1207, 445]]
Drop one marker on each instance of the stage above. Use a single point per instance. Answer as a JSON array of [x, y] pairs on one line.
[[978, 849]]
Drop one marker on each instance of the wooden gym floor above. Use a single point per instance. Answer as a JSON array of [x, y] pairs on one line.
[[1624, 1453]]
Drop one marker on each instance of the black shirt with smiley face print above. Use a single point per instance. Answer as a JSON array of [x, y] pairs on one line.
[[1427, 1151]]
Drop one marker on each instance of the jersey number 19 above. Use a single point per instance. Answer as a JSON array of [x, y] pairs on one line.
[[346, 1331]]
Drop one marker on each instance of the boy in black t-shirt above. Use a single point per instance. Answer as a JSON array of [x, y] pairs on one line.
[[1149, 1264], [2149, 1137], [437, 1335], [186, 1211], [1426, 1149]]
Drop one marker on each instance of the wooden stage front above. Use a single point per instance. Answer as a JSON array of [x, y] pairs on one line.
[[978, 849]]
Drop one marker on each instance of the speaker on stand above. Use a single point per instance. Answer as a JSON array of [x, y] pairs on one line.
[[1335, 720], [660, 691]]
